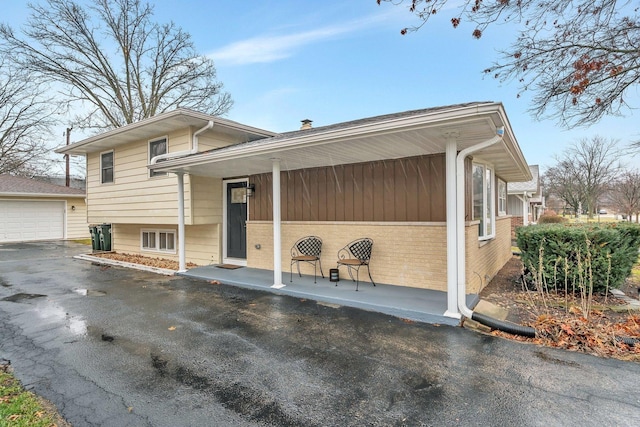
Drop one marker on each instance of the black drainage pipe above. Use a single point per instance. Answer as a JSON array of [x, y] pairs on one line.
[[629, 341], [504, 326]]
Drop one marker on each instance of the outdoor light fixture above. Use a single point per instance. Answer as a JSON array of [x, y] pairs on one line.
[[251, 190], [73, 208]]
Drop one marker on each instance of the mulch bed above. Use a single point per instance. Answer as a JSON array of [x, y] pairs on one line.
[[560, 320], [144, 260]]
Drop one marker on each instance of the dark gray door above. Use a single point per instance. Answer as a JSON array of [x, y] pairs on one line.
[[236, 220]]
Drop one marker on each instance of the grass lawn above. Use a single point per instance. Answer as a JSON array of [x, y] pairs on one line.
[[22, 408]]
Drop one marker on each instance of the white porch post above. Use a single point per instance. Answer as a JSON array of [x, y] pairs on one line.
[[181, 237], [277, 237], [452, 270], [525, 209]]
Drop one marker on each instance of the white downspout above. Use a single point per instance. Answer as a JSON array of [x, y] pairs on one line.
[[193, 150], [460, 219], [277, 218]]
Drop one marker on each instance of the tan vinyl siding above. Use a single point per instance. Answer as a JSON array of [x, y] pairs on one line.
[[134, 197], [207, 200], [212, 142], [202, 242], [77, 226]]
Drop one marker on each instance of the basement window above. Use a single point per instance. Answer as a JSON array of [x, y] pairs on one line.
[[158, 241]]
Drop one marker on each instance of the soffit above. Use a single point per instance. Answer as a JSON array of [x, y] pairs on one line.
[[401, 138]]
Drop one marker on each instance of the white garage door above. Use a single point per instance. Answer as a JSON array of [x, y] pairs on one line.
[[22, 221]]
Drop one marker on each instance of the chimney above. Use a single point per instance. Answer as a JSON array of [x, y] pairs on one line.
[[306, 124]]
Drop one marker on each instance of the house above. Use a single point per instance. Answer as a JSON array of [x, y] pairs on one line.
[[428, 186], [34, 210], [525, 202]]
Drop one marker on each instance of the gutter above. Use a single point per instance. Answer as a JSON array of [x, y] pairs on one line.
[[461, 246], [193, 150]]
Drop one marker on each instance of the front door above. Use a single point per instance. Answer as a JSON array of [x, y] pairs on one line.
[[236, 227]]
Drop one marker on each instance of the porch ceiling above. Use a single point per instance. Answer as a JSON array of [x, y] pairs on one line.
[[373, 141]]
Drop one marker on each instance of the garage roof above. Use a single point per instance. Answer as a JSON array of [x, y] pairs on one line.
[[16, 186]]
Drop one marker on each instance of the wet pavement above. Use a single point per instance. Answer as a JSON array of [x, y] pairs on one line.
[[116, 347]]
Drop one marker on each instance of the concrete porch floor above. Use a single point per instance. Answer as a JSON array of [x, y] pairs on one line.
[[420, 305]]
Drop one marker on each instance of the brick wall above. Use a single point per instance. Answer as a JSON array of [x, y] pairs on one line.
[[486, 258]]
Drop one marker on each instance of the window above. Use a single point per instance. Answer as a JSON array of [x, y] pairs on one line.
[[156, 148], [483, 200], [158, 240], [502, 197], [106, 167]]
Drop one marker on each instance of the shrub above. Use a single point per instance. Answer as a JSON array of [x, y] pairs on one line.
[[569, 256], [551, 219]]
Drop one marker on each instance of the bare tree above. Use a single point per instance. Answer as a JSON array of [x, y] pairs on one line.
[[25, 120], [114, 60], [625, 194], [581, 58], [584, 172]]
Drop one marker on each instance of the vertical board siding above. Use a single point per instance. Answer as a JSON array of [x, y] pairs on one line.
[[410, 189]]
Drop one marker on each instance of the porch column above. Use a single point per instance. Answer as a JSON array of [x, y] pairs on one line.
[[181, 237], [525, 209], [451, 200], [277, 237]]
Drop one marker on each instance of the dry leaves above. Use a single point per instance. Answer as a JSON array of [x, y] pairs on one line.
[[145, 260]]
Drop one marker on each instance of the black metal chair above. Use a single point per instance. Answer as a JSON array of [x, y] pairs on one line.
[[355, 255], [307, 249]]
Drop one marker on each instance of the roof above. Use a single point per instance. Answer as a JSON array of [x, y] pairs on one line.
[[531, 186], [160, 124], [20, 186], [389, 136]]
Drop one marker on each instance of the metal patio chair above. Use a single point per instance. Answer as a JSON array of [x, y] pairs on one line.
[[307, 249], [355, 255]]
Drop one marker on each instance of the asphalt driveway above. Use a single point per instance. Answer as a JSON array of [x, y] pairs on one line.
[[117, 347]]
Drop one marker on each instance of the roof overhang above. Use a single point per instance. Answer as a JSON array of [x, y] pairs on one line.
[[159, 125], [391, 137], [44, 195]]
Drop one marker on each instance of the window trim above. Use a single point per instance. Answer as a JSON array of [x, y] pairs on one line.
[[165, 138], [113, 164], [157, 232], [486, 197], [502, 201]]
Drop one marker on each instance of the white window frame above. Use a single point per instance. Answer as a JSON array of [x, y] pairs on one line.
[[113, 167], [157, 238], [153, 174], [488, 199], [502, 197]]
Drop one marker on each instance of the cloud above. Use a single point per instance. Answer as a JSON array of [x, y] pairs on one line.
[[270, 48]]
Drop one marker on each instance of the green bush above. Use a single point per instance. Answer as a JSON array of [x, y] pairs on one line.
[[551, 219], [600, 254]]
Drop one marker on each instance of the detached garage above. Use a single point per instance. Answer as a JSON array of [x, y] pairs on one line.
[[33, 210]]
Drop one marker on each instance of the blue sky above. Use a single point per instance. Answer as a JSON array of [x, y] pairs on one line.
[[334, 60]]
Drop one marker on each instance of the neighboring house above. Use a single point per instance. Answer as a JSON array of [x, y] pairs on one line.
[[35, 210], [525, 202], [422, 184]]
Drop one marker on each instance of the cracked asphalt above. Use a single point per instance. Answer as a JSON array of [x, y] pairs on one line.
[[118, 347]]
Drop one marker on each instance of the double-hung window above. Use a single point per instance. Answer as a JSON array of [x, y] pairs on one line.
[[483, 200], [158, 240], [106, 167], [502, 197], [156, 148]]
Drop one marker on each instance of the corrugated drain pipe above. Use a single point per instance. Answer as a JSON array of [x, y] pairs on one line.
[[501, 325]]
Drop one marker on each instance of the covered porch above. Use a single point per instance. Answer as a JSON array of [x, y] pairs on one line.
[[421, 305]]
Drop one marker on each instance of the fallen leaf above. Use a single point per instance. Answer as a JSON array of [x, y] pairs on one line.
[[172, 328]]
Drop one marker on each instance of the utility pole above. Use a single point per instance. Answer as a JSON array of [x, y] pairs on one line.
[[66, 156]]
